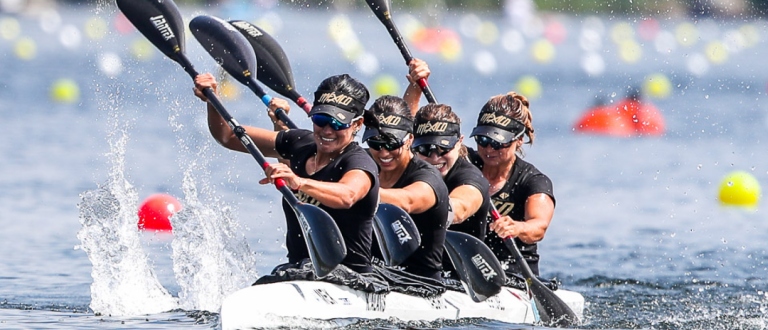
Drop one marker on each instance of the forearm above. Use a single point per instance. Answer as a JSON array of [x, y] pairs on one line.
[[531, 231], [461, 210], [332, 194], [466, 200], [412, 97], [220, 130], [405, 199]]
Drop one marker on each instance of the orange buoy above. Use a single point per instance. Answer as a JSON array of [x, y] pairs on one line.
[[630, 117], [432, 40], [156, 211]]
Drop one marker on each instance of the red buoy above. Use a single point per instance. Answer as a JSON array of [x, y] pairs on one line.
[[627, 118], [156, 211]]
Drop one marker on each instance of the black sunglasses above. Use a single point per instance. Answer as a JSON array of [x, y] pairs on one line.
[[322, 120], [427, 149], [389, 145], [485, 141]]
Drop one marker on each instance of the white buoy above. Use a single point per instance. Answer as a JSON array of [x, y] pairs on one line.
[[110, 64], [50, 20], [484, 62], [70, 36], [593, 64], [513, 41]]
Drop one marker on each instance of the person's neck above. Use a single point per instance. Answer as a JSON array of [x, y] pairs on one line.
[[322, 159], [389, 178]]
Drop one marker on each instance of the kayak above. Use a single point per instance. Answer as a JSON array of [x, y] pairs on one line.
[[276, 304]]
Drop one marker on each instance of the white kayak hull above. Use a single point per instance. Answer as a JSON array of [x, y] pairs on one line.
[[271, 305]]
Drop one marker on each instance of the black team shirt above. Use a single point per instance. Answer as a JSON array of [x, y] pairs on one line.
[[356, 223], [432, 224], [524, 181]]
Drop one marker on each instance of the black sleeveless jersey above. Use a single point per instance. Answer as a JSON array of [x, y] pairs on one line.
[[356, 223], [524, 181], [432, 224], [464, 173]]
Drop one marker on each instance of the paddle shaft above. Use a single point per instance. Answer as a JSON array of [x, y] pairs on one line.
[[550, 307], [400, 42], [266, 98], [237, 129]]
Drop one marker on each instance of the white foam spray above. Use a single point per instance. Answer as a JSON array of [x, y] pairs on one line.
[[211, 257], [123, 282]]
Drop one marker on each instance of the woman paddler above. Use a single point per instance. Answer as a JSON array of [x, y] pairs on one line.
[[409, 183], [438, 141], [522, 194], [326, 167]]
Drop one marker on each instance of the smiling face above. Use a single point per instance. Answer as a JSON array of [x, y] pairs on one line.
[[445, 162], [330, 141], [390, 160]]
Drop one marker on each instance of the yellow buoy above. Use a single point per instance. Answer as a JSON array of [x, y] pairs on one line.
[[686, 34], [657, 85], [716, 52], [622, 32], [529, 87], [65, 91], [487, 33], [9, 28], [25, 49], [543, 51], [630, 51], [142, 49], [739, 188], [450, 49], [96, 28], [229, 90], [386, 85]]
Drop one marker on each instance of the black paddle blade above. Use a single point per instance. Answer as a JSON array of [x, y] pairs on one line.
[[396, 234], [380, 8], [476, 264], [324, 241], [159, 21], [226, 45], [274, 69], [553, 311]]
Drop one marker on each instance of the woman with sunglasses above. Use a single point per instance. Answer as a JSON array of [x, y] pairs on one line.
[[519, 191], [409, 183], [326, 167], [438, 141]]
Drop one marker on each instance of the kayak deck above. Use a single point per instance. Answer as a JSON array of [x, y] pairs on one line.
[[271, 304]]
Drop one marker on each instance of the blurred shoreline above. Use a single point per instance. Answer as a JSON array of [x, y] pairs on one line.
[[721, 9]]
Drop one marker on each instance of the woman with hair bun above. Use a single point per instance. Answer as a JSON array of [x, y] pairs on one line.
[[521, 193]]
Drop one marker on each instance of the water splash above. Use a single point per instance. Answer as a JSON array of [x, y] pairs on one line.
[[123, 282], [211, 257]]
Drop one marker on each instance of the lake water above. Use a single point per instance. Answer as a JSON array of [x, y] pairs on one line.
[[638, 228]]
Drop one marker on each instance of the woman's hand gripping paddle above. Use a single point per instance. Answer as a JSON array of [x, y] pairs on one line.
[[161, 23], [382, 11], [239, 62]]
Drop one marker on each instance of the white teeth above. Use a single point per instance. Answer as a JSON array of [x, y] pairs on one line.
[[386, 160], [439, 166], [327, 139]]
